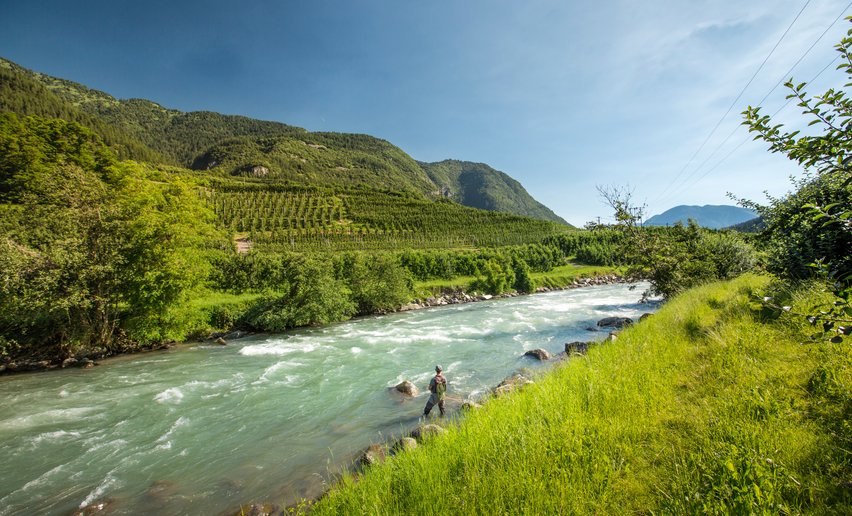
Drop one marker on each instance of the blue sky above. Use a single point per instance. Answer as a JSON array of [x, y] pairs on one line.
[[563, 96]]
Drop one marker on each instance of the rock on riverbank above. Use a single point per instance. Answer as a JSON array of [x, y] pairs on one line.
[[460, 296]]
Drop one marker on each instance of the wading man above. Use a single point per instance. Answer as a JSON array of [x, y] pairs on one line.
[[438, 387]]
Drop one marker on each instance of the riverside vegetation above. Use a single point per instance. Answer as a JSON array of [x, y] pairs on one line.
[[102, 255], [735, 398]]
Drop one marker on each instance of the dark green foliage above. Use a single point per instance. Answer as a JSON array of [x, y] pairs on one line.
[[435, 264], [600, 246], [92, 249], [480, 186], [23, 93], [497, 277], [312, 297], [813, 224], [794, 238], [523, 281], [379, 283], [252, 272], [681, 257], [318, 158], [750, 226]]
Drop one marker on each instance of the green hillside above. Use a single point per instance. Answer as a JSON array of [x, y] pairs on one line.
[[22, 92], [319, 158], [480, 186], [239, 146]]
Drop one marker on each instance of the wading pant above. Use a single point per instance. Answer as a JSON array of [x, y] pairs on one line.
[[433, 400]]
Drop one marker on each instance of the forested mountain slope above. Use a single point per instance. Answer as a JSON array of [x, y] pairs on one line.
[[231, 145], [480, 186]]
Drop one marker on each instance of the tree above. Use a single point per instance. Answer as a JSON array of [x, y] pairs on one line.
[[94, 254], [676, 258], [810, 230], [379, 283], [497, 277], [523, 280], [313, 297]]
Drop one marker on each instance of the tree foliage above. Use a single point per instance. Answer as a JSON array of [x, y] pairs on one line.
[[674, 258], [379, 283], [312, 296], [809, 231], [92, 250]]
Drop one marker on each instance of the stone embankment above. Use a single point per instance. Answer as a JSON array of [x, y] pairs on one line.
[[460, 296]]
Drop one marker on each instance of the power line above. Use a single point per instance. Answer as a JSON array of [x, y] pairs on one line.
[[713, 131], [686, 182], [772, 116]]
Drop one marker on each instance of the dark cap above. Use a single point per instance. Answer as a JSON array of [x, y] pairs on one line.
[[438, 368]]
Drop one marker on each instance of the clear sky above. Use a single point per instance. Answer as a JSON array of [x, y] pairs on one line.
[[561, 95]]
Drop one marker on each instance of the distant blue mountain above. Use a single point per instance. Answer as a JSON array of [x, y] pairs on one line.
[[709, 216]]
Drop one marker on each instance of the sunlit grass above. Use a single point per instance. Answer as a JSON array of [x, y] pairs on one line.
[[557, 277], [705, 407]]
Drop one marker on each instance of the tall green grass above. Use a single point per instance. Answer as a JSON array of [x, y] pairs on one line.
[[705, 407]]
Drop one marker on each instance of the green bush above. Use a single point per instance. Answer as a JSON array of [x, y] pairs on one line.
[[379, 283], [313, 297]]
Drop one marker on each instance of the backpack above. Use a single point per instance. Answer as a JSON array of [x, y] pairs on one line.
[[440, 385]]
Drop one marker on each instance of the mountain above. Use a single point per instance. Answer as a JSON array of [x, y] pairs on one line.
[[480, 186], [708, 216], [229, 145]]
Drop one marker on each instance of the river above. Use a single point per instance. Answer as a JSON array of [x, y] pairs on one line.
[[203, 428]]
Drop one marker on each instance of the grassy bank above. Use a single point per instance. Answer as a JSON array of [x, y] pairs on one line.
[[557, 277], [707, 406]]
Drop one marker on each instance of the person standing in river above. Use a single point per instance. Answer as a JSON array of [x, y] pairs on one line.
[[438, 388]]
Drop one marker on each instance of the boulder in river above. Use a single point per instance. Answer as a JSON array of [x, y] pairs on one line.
[[538, 353], [425, 431], [407, 388], [615, 322], [103, 506], [161, 490], [576, 348], [236, 334], [221, 341], [69, 362]]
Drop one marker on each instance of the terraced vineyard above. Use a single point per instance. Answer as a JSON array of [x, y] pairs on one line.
[[289, 218]]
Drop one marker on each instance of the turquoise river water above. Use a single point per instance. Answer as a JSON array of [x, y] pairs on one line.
[[201, 429]]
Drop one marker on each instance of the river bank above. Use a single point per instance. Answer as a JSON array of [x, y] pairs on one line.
[[87, 359]]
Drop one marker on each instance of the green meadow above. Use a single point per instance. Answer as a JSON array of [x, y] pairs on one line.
[[711, 405]]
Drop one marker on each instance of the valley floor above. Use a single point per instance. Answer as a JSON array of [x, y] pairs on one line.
[[711, 405]]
